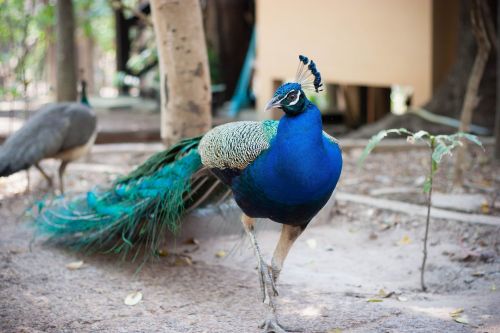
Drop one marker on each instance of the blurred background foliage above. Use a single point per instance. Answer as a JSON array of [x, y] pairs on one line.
[[27, 31]]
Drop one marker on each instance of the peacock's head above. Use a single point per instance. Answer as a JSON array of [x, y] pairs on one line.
[[290, 96]]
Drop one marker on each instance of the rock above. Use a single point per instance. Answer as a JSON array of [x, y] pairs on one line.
[[462, 202]]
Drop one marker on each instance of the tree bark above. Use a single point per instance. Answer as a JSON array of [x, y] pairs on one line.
[[50, 59], [86, 48], [66, 62], [122, 45], [184, 71], [497, 118], [471, 100]]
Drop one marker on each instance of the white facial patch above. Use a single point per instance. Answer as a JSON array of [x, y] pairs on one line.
[[296, 99]]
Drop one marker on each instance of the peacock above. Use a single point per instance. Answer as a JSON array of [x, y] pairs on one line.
[[282, 170], [63, 131]]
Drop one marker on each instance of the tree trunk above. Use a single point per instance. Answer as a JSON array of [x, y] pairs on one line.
[[122, 45], [86, 47], [66, 62], [184, 71], [497, 118], [51, 61], [479, 18]]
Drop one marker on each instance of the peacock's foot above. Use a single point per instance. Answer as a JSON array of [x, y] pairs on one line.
[[267, 281], [271, 325]]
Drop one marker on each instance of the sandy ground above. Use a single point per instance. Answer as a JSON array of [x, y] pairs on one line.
[[349, 257]]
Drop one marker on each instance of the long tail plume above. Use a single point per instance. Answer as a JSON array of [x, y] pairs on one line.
[[137, 210]]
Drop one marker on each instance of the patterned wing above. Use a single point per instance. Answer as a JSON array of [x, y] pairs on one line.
[[236, 145], [42, 136]]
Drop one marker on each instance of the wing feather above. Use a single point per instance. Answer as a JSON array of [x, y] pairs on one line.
[[235, 145], [40, 137]]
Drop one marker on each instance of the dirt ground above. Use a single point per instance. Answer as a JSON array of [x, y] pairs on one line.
[[355, 269]]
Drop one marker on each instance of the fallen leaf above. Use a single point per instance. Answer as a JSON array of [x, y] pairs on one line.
[[133, 298], [461, 320], [382, 293], [456, 312], [335, 330], [312, 243], [220, 254], [183, 261], [485, 208], [405, 240], [192, 241], [374, 300], [74, 265]]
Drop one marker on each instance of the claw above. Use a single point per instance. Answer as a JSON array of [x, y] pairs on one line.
[[267, 281], [271, 325]]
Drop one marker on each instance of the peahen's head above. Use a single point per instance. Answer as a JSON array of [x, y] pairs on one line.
[[290, 96], [84, 99]]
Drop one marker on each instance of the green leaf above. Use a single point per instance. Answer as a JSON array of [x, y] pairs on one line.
[[470, 137], [441, 150], [374, 300], [434, 167], [420, 135], [461, 320], [427, 185], [375, 140]]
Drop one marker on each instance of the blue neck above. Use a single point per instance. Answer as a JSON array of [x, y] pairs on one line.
[[297, 159], [300, 166], [300, 134]]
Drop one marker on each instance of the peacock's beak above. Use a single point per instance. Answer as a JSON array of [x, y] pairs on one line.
[[273, 103]]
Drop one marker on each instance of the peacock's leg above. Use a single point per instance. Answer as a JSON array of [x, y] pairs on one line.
[[289, 234], [271, 323], [27, 189], [62, 167], [45, 175], [266, 280]]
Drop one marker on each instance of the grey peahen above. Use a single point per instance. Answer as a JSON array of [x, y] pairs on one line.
[[63, 131], [281, 170]]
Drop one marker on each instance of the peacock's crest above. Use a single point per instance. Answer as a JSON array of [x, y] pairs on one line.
[[308, 75]]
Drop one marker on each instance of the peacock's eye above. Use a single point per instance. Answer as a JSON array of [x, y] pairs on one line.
[[291, 96]]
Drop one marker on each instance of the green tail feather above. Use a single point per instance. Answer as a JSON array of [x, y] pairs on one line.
[[134, 213]]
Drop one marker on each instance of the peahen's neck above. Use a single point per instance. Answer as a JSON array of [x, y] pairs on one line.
[[84, 99]]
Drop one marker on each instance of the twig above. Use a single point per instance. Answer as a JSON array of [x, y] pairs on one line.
[[428, 218]]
